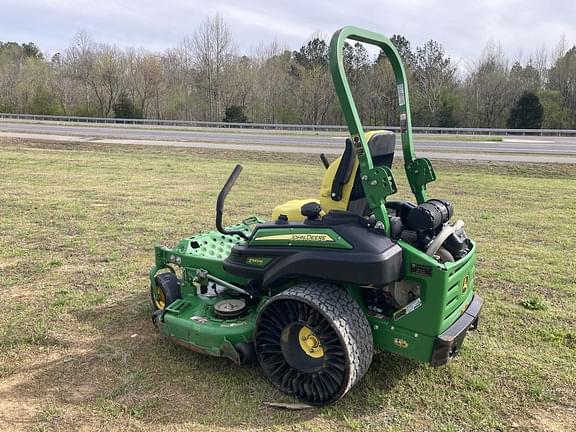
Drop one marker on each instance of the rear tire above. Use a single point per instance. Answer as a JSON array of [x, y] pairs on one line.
[[166, 292], [313, 342]]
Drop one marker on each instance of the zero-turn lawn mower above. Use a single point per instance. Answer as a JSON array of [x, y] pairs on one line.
[[311, 292]]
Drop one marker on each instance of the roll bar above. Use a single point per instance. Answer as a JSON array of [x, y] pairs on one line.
[[378, 182]]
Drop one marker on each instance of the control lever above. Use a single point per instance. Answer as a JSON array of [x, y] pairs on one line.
[[220, 203]]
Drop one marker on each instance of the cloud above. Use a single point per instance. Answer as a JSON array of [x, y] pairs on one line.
[[462, 27]]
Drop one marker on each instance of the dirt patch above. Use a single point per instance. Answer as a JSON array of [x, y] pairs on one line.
[[554, 418]]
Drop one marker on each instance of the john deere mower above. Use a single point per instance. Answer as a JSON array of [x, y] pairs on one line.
[[312, 291]]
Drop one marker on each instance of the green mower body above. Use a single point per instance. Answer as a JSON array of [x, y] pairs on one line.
[[311, 298]]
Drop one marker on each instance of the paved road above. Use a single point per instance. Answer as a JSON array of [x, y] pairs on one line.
[[530, 149]]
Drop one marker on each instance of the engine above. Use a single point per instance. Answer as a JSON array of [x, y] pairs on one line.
[[426, 226]]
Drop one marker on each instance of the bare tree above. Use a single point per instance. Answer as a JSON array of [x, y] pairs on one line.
[[486, 89], [562, 78], [314, 95], [107, 77], [238, 82], [180, 85], [274, 84], [144, 77], [314, 92], [79, 63], [383, 94], [434, 76], [213, 50], [9, 74]]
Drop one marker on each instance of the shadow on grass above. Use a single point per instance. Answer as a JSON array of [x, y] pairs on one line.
[[129, 372]]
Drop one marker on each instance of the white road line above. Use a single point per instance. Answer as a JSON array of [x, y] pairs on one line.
[[526, 141]]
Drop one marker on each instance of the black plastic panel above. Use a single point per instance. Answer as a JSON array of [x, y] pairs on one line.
[[373, 259]]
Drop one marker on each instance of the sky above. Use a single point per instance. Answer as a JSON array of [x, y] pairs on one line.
[[462, 27]]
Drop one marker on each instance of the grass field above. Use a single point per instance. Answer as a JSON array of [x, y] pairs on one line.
[[78, 350]]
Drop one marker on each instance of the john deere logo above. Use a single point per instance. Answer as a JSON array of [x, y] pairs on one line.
[[402, 343], [312, 237], [297, 237], [465, 284]]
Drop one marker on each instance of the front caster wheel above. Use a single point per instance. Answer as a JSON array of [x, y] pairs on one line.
[[166, 291], [313, 342]]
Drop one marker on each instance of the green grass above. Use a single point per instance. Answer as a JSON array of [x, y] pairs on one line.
[[78, 350], [534, 303]]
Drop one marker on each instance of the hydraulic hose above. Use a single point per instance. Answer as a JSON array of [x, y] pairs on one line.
[[446, 232]]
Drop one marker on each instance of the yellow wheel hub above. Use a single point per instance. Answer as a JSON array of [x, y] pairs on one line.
[[310, 343], [160, 299]]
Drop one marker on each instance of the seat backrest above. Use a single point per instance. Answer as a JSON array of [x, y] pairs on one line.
[[341, 187]]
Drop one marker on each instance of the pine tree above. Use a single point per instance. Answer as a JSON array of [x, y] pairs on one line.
[[235, 114], [125, 108], [445, 114], [527, 113]]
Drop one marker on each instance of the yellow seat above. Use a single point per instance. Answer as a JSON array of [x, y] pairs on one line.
[[292, 208]]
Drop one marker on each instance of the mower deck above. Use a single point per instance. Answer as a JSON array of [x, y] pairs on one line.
[[191, 322]]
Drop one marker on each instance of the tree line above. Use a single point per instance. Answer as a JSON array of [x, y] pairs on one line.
[[205, 78]]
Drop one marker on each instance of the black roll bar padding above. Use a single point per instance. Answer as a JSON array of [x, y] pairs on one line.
[[220, 203], [324, 160]]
